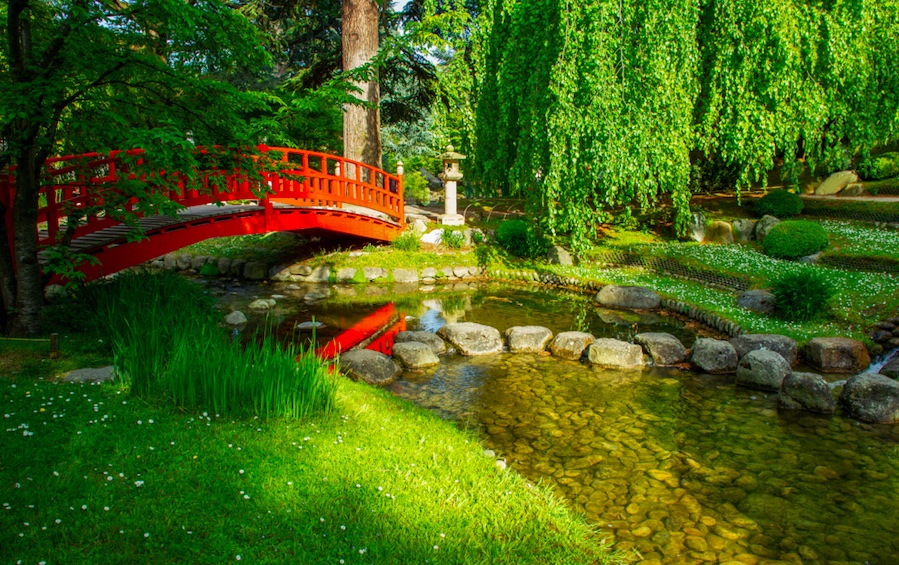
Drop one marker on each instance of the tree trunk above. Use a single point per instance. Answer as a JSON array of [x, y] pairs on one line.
[[7, 274], [29, 291], [361, 125]]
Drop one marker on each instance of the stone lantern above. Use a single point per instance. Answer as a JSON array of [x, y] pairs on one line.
[[449, 176]]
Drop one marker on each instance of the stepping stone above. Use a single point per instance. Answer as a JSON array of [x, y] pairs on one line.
[[571, 345], [528, 339], [614, 353]]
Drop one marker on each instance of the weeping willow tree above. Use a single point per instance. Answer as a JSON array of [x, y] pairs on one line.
[[591, 104]]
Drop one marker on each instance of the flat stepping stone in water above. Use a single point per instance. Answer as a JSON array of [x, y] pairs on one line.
[[664, 348], [635, 297], [871, 397], [91, 375], [837, 355], [806, 391], [528, 339], [415, 355], [437, 345], [614, 353], [772, 342], [369, 366], [714, 356], [762, 370], [571, 345], [472, 339]]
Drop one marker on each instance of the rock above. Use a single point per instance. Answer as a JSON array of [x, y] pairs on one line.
[[764, 226], [461, 272], [255, 271], [571, 345], [636, 297], [374, 273], [811, 259], [279, 273], [744, 230], [429, 273], [224, 266], [836, 182], [197, 262], [719, 232], [472, 339], [528, 339], [369, 366], [437, 345], [418, 227], [321, 274], [405, 275], [301, 270], [763, 370], [317, 294], [236, 318], [91, 375], [714, 356], [696, 227], [415, 355], [615, 353], [236, 269], [880, 336], [664, 348], [772, 342], [262, 304], [891, 369], [170, 261], [872, 397], [558, 255], [346, 274], [806, 391], [760, 300], [837, 355], [54, 291], [433, 237], [854, 189], [182, 262], [309, 325]]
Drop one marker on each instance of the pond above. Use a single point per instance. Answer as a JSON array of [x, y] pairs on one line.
[[679, 466]]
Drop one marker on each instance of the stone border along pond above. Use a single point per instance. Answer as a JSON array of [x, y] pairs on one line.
[[760, 361]]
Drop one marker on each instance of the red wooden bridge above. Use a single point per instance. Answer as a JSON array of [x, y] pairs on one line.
[[308, 191]]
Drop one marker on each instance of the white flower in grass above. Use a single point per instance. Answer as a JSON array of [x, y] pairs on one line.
[[146, 534]]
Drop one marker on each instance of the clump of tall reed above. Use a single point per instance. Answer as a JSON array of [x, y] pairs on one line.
[[167, 342]]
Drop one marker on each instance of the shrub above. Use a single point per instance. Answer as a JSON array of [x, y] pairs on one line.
[[779, 203], [452, 239], [485, 254], [796, 238], [416, 186], [209, 270], [520, 239], [407, 241], [877, 167], [801, 296]]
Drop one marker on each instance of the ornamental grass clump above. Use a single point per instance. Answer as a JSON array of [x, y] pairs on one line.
[[407, 241], [780, 204], [796, 238], [802, 296]]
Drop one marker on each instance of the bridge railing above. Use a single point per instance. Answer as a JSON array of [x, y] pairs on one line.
[[87, 188]]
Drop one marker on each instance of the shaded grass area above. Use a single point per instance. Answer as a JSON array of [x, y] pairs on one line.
[[92, 475]]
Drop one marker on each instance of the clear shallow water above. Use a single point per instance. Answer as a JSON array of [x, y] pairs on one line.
[[683, 468]]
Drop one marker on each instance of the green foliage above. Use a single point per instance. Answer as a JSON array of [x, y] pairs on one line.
[[209, 270], [485, 254], [780, 204], [796, 238], [416, 186], [802, 296], [877, 167], [407, 241], [512, 235], [453, 239]]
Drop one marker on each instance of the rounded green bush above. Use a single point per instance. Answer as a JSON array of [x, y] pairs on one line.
[[513, 236], [796, 238], [878, 167], [780, 204], [801, 296]]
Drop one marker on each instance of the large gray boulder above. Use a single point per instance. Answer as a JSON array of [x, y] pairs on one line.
[[528, 339], [719, 232], [614, 353], [714, 356], [472, 339], [763, 370], [744, 230], [369, 366], [806, 391], [871, 397], [664, 348], [437, 345], [772, 342], [836, 183], [635, 297], [837, 355], [891, 369], [571, 345], [558, 255], [760, 300], [764, 226], [414, 355]]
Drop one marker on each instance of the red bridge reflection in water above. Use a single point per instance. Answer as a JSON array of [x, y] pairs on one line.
[[376, 332]]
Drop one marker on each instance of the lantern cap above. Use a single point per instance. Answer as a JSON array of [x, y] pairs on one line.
[[451, 154]]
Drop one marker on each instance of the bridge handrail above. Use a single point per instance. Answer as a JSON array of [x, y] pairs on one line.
[[318, 180]]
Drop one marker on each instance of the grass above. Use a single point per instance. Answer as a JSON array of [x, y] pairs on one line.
[[91, 475], [261, 247]]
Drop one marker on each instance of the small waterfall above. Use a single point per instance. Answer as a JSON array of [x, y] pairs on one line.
[[882, 360]]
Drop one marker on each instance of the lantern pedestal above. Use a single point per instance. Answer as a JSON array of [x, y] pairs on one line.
[[450, 176]]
